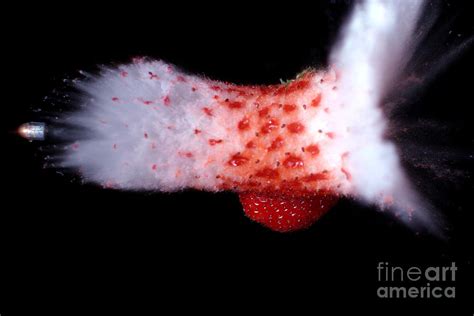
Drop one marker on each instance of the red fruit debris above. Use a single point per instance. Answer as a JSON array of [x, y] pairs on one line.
[[186, 154], [147, 102], [289, 108], [264, 112], [238, 160], [251, 145], [235, 105], [295, 128], [214, 142], [316, 101], [293, 162], [267, 173], [208, 111], [269, 126], [346, 173], [315, 177], [297, 85], [153, 75], [276, 144], [167, 100], [285, 213], [244, 124], [312, 150]]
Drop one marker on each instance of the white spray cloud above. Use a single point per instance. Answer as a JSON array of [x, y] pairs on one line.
[[373, 49]]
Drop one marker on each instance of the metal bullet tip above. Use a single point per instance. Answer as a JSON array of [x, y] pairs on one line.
[[33, 131]]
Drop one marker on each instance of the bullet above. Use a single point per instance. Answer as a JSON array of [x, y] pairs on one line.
[[33, 131]]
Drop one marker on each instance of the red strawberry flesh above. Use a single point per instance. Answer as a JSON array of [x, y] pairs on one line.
[[283, 212]]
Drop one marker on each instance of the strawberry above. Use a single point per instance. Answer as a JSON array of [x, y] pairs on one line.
[[277, 141], [284, 212]]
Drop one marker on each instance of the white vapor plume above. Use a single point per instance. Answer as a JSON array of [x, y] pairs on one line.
[[373, 50]]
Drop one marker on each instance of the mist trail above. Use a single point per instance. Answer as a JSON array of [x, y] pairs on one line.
[[372, 52]]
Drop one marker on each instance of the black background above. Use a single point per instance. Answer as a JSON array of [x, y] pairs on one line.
[[65, 245]]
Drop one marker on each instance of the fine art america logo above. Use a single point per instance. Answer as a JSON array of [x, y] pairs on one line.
[[416, 282]]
